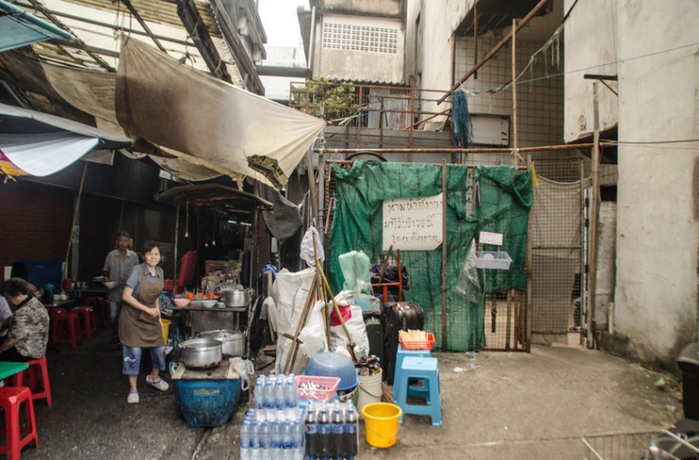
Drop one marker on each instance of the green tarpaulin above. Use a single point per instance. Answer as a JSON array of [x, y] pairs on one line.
[[500, 199]]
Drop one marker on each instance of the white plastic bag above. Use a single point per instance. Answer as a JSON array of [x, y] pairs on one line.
[[357, 330], [307, 252], [313, 335], [245, 370], [468, 283], [356, 269]]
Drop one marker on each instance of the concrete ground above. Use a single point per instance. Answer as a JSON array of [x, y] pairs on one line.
[[507, 406]]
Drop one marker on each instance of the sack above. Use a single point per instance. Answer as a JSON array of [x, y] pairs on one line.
[[401, 316], [357, 330]]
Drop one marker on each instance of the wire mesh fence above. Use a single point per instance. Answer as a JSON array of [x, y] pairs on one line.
[[556, 230], [642, 444]]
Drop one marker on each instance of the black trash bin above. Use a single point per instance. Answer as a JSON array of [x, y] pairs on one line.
[[688, 361]]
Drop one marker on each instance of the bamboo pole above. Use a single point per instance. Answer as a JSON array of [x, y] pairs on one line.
[[515, 144], [594, 219], [444, 256], [291, 357], [75, 217], [540, 148]]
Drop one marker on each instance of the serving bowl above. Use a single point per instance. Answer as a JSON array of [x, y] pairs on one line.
[[110, 284], [208, 303], [181, 302]]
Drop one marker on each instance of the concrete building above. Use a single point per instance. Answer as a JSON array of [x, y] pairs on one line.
[[652, 51]]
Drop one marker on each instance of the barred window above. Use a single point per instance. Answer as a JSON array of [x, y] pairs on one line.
[[360, 38]]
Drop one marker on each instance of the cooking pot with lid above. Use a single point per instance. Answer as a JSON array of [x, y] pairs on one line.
[[233, 295], [232, 342], [202, 353]]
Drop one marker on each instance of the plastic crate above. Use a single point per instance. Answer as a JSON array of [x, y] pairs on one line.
[[328, 387], [492, 260], [207, 402], [420, 345]]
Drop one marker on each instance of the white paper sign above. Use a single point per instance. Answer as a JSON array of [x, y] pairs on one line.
[[412, 224], [490, 238]]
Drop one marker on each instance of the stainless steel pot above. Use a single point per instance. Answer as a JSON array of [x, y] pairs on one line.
[[233, 295], [232, 342], [203, 353]]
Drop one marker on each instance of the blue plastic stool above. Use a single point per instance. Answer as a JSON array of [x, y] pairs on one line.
[[428, 370], [413, 390]]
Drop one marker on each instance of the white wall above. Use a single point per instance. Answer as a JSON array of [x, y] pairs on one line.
[[658, 194], [590, 41], [357, 64]]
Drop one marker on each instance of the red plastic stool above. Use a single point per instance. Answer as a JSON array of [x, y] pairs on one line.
[[39, 383], [66, 329], [89, 320], [15, 436]]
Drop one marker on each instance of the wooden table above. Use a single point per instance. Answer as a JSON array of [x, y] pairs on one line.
[[8, 369]]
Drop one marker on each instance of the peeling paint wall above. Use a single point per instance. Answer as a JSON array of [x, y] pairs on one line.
[[658, 228]]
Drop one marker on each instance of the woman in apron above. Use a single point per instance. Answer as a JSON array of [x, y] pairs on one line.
[[139, 321]]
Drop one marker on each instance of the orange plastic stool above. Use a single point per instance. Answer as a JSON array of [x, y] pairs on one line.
[[39, 383], [66, 329], [89, 320], [15, 436]]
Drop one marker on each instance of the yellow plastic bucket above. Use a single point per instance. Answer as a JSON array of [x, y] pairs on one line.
[[381, 424], [166, 329]]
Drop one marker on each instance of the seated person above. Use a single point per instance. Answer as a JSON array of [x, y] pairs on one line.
[[5, 316], [29, 332]]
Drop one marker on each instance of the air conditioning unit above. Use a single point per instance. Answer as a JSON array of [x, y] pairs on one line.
[[489, 129]]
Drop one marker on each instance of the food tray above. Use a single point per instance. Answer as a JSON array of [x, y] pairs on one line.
[[425, 345], [328, 387], [493, 260]]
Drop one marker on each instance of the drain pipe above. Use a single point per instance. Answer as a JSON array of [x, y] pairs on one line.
[[309, 58]]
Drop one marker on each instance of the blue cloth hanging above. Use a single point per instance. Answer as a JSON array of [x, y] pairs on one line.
[[461, 120]]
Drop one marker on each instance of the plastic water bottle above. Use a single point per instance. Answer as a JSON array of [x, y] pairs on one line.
[[276, 440], [265, 441], [323, 434], [311, 434], [245, 438], [279, 400], [259, 398], [255, 453], [287, 442], [349, 434], [298, 440], [268, 401], [291, 398]]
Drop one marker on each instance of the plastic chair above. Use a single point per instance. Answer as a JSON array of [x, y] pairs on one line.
[[39, 383], [15, 436], [89, 320], [66, 329], [421, 368], [413, 390]]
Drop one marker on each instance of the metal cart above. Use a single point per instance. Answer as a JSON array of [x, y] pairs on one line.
[[649, 444]]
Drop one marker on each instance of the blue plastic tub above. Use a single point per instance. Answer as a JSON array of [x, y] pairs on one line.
[[207, 402]]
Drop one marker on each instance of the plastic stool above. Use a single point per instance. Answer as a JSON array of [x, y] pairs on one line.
[[15, 437], [66, 329], [39, 383], [400, 355], [89, 320], [421, 368]]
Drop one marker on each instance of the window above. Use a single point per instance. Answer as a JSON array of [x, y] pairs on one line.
[[360, 38]]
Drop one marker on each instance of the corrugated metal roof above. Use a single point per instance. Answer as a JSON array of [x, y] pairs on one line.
[[98, 24]]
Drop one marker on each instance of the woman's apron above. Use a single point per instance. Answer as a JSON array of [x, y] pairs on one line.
[[136, 327]]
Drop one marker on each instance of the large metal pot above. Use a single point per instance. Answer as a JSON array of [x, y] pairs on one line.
[[233, 295], [232, 342], [203, 353]]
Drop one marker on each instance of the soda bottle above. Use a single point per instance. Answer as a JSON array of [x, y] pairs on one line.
[[324, 434], [311, 434], [336, 434], [349, 433]]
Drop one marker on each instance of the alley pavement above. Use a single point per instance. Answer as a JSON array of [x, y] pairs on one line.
[[500, 405]]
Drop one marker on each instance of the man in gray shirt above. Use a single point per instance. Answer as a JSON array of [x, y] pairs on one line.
[[117, 267]]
